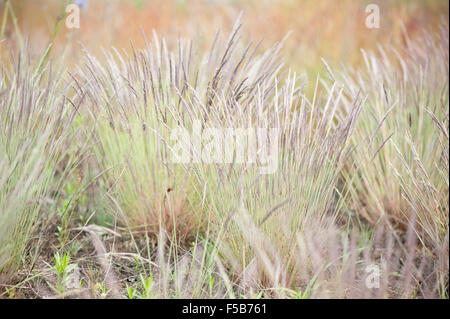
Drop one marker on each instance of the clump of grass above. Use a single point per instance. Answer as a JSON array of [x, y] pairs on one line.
[[401, 163], [34, 121], [135, 175]]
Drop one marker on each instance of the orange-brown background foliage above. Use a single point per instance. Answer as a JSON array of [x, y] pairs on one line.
[[334, 30]]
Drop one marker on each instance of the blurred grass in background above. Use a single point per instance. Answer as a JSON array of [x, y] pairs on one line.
[[334, 30]]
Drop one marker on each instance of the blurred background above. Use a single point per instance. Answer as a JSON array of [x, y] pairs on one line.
[[334, 30]]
